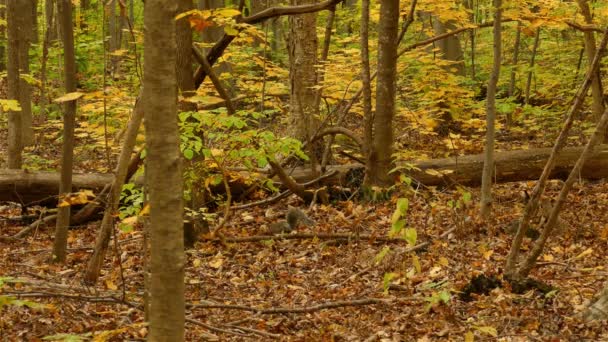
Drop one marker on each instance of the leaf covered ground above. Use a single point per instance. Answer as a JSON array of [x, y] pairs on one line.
[[285, 288]]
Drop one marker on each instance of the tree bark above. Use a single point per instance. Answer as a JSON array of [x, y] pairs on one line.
[[15, 131], [69, 118], [590, 50], [532, 62], [303, 47], [379, 161], [488, 165], [107, 224], [3, 36], [25, 96], [366, 80], [450, 47], [163, 173]]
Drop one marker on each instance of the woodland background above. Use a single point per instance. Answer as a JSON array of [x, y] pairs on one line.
[[449, 152]]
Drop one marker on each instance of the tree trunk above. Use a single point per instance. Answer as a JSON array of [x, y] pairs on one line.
[[488, 165], [3, 36], [532, 62], [379, 161], [69, 118], [302, 76], [514, 62], [15, 131], [107, 224], [49, 14], [511, 268], [450, 47], [25, 96], [183, 34], [596, 86], [163, 173], [34, 8], [366, 80]]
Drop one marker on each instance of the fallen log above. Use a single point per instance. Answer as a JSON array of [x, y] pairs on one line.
[[510, 166], [42, 187]]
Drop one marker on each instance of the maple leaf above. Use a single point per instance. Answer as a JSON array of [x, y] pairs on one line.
[[199, 24]]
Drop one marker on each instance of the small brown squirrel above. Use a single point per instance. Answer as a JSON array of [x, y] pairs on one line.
[[292, 218]]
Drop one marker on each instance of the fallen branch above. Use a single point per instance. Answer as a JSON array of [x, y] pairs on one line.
[[351, 237], [305, 309]]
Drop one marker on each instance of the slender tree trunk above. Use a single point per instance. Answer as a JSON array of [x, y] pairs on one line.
[[366, 79], [515, 59], [379, 161], [532, 62], [302, 76], [25, 96], [512, 272], [596, 86], [3, 36], [34, 8], [107, 224], [163, 173], [69, 117], [488, 165], [49, 15], [320, 79], [15, 145], [43, 66], [514, 62]]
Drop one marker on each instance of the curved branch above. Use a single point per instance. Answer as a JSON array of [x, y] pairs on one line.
[[339, 130]]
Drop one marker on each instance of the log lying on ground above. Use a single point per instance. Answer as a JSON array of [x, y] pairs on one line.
[[41, 188], [510, 166], [38, 187]]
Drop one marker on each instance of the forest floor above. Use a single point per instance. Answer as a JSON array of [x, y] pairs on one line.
[[245, 281]]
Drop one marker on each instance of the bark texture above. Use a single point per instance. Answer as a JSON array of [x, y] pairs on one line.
[[15, 144], [488, 165], [69, 118], [380, 157], [303, 46], [163, 173]]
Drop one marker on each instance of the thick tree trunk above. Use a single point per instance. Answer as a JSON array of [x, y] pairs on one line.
[[379, 161], [15, 131], [303, 46], [69, 118], [488, 165], [163, 173], [451, 49]]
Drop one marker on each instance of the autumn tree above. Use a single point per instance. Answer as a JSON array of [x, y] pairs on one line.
[[303, 45], [15, 144], [163, 173], [380, 161], [69, 118], [488, 165]]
